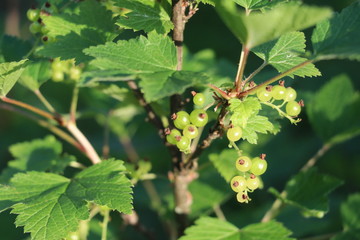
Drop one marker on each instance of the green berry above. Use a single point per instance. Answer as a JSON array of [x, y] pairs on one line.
[[241, 197], [264, 95], [199, 99], [183, 143], [174, 134], [75, 73], [278, 92], [57, 76], [258, 166], [191, 131], [199, 117], [243, 164], [253, 182], [293, 108], [234, 134], [238, 184], [290, 94], [44, 30], [35, 27], [182, 119], [33, 14]]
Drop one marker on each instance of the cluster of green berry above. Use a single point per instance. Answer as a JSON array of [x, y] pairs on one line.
[[188, 123], [37, 26], [249, 179], [60, 69], [279, 92]]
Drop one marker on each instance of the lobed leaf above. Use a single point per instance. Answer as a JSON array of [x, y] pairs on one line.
[[338, 37], [257, 124], [284, 54], [45, 201], [225, 163], [242, 110], [155, 53], [270, 231], [145, 15], [308, 191]]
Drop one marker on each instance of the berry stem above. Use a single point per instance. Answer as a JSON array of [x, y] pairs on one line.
[[281, 112], [242, 63], [44, 101], [104, 224], [274, 79], [73, 105]]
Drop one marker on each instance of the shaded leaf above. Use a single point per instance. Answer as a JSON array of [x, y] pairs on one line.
[[258, 28], [257, 124], [144, 15], [35, 74], [308, 191], [349, 212], [163, 84], [334, 111], [339, 37], [13, 48]]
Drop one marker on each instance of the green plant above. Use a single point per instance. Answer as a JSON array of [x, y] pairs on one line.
[[124, 61]]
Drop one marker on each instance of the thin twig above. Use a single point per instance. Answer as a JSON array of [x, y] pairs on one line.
[[105, 222], [74, 102], [219, 213], [253, 74], [242, 63], [44, 101], [278, 203]]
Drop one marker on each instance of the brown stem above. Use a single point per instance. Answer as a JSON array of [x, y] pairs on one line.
[[32, 109], [179, 27], [278, 203], [241, 68]]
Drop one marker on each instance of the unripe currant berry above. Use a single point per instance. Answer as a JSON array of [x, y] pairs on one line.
[[191, 131], [252, 182], [181, 119], [241, 197], [183, 143], [172, 136], [264, 94], [199, 117], [238, 184], [278, 92], [293, 108], [259, 166], [198, 98], [290, 94], [243, 164], [234, 134]]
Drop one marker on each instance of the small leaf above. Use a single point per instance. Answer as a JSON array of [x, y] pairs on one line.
[[225, 163], [334, 112], [211, 2], [242, 110], [45, 201], [349, 212], [283, 54], [270, 231], [144, 15], [257, 124], [163, 84], [308, 191], [211, 228], [72, 45], [35, 74], [10, 72], [155, 53], [339, 37], [258, 28]]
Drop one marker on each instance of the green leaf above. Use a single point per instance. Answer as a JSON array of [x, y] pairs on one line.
[[72, 45], [334, 111], [83, 18], [349, 235], [308, 191], [283, 54], [257, 124], [258, 28], [13, 48], [207, 228], [163, 84], [35, 74], [339, 37], [349, 212], [155, 53], [10, 72], [270, 231], [211, 2], [37, 155], [259, 4], [225, 163], [45, 201], [145, 15], [242, 110]]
